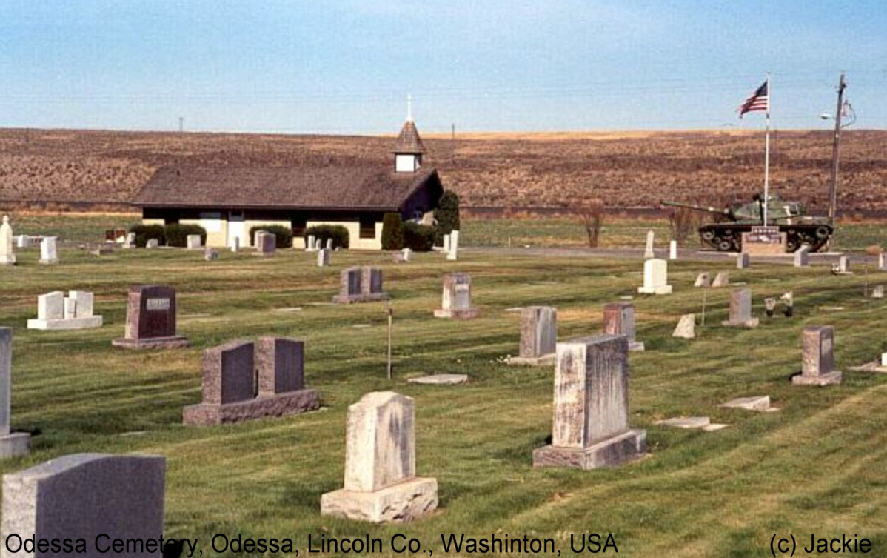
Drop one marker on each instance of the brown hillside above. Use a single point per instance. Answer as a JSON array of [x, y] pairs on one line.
[[626, 169]]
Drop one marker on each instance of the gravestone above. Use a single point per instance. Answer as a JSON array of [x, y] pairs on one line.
[[742, 260], [818, 360], [407, 254], [691, 423], [456, 300], [439, 379], [323, 257], [12, 444], [655, 277], [317, 244], [878, 291], [194, 242], [235, 244], [329, 243], [759, 403], [842, 267], [57, 312], [648, 247], [84, 496], [446, 243], [21, 241], [673, 250], [722, 279], [265, 244], [703, 280], [686, 328], [619, 320], [210, 254], [152, 243], [48, 252], [309, 244], [7, 249], [360, 284], [244, 381], [151, 319], [538, 337], [882, 261], [590, 422], [380, 464], [802, 256], [740, 309], [453, 253], [130, 241]]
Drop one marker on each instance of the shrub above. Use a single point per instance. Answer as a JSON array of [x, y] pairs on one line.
[[392, 232], [338, 233], [446, 215], [283, 236], [683, 222], [145, 232], [419, 238], [177, 235]]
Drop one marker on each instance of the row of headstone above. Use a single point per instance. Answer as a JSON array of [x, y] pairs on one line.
[[360, 284], [48, 249], [538, 332], [650, 253], [314, 244], [722, 279], [243, 380], [56, 311]]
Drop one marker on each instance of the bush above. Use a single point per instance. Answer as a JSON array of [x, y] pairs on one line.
[[177, 235], [145, 232], [446, 215], [419, 238], [338, 233], [283, 236], [392, 232]]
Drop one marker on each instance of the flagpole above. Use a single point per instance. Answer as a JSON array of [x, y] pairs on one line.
[[767, 155]]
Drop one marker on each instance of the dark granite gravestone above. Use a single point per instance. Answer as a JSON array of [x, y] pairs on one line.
[[245, 381], [83, 496], [360, 284], [151, 319]]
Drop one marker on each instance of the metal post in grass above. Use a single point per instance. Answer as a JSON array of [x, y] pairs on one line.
[[704, 295], [390, 323]]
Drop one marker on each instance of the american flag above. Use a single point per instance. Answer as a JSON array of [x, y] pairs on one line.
[[759, 100]]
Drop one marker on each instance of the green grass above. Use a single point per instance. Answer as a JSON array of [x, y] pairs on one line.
[[818, 465]]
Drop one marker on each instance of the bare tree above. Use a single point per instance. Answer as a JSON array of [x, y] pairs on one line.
[[591, 213]]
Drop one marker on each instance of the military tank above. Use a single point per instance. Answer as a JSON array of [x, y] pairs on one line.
[[789, 216]]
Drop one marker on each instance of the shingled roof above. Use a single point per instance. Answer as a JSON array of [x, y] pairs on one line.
[[362, 187], [408, 141]]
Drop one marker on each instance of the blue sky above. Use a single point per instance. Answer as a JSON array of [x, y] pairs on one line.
[[346, 66]]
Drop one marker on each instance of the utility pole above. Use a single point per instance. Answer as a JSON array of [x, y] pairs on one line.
[[833, 186]]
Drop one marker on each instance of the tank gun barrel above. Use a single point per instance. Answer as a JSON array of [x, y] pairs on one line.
[[707, 209]]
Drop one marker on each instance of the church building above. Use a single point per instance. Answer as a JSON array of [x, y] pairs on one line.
[[228, 201]]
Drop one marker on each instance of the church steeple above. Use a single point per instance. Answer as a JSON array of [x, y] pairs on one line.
[[408, 148]]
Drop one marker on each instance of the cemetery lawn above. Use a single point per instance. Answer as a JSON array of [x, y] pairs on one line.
[[819, 465]]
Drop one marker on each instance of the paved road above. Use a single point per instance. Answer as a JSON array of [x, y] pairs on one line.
[[826, 258]]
